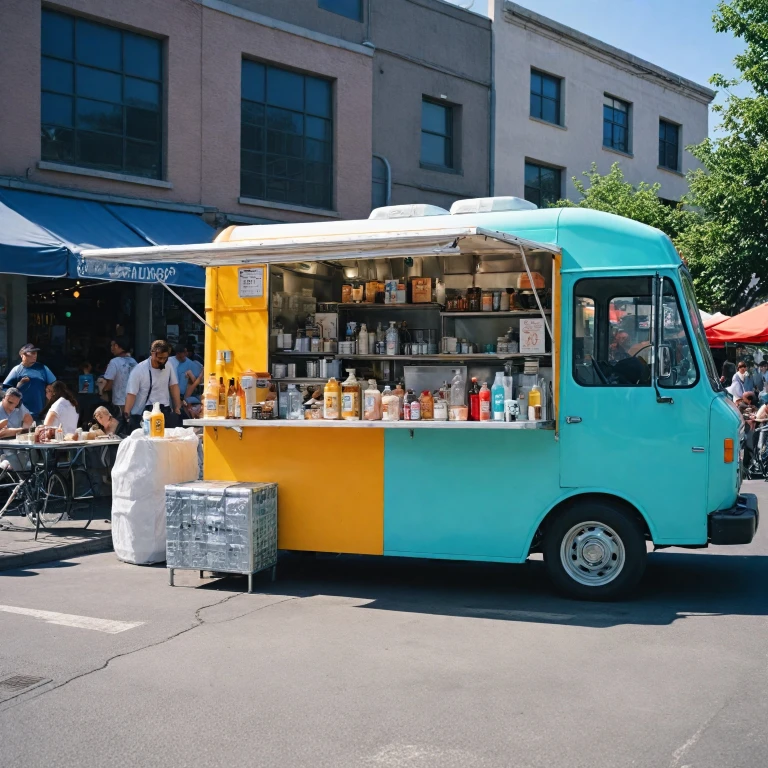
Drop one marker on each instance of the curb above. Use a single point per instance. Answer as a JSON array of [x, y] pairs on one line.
[[63, 552]]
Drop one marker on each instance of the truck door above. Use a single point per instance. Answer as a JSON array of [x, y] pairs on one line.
[[634, 420]]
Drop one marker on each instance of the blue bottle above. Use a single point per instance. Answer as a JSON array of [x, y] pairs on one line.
[[497, 397]]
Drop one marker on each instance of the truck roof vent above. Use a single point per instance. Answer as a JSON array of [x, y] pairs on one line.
[[491, 205], [407, 211]]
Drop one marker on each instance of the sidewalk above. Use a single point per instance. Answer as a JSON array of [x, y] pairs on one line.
[[18, 548]]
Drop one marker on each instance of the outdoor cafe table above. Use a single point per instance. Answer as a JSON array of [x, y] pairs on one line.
[[44, 456]]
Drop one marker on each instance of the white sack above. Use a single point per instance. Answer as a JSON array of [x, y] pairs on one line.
[[142, 470]]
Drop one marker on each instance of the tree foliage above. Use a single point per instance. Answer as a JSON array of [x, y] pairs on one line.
[[727, 248]]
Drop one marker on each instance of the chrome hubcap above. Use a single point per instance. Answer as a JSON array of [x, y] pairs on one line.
[[592, 554]]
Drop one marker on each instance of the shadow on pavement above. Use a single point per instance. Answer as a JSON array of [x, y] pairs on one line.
[[676, 585], [33, 570]]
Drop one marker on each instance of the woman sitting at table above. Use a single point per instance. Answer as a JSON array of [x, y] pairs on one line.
[[62, 409], [106, 420]]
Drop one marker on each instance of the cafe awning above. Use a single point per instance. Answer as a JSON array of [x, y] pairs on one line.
[[44, 235]]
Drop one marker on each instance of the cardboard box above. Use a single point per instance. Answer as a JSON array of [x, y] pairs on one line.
[[420, 290]]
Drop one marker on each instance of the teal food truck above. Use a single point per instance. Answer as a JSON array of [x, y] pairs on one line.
[[629, 442]]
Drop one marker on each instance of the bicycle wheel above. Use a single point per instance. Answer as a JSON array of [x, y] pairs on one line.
[[11, 497], [55, 501]]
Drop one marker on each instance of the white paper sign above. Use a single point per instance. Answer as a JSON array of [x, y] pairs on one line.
[[251, 283], [532, 340]]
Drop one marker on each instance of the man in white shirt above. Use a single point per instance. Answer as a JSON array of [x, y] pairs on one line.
[[118, 371], [153, 381]]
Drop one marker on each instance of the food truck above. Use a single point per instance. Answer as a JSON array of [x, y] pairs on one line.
[[614, 433]]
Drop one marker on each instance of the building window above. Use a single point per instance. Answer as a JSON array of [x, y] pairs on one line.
[[545, 97], [101, 96], [669, 145], [286, 136], [352, 9], [542, 184], [615, 124], [436, 134]]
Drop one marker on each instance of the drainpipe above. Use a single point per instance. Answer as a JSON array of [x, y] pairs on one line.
[[492, 115]]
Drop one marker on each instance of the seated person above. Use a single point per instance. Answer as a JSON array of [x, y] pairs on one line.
[[106, 420], [14, 417], [62, 408]]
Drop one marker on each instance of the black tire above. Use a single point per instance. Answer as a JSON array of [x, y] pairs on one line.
[[604, 546], [55, 503]]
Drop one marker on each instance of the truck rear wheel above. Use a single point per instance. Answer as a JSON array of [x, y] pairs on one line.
[[594, 551]]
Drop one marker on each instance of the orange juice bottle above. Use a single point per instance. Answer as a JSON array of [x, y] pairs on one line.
[[222, 409], [332, 400], [157, 422]]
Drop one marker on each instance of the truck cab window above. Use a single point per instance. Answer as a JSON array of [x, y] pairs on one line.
[[674, 335], [612, 332]]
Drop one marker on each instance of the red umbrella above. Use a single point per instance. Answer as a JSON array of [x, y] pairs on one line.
[[749, 327]]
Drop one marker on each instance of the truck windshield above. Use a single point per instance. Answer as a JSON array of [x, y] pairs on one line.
[[698, 330]]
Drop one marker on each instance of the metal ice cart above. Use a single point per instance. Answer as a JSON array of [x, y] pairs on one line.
[[226, 527]]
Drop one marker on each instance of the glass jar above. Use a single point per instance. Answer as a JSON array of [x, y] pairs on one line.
[[487, 301]]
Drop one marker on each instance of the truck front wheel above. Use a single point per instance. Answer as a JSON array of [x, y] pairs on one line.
[[594, 551]]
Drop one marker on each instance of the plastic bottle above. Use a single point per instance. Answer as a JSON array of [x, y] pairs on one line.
[[400, 392], [156, 422], [427, 403], [534, 399], [390, 405], [239, 401], [147, 416], [231, 397], [222, 409], [372, 402], [362, 340], [295, 410], [332, 400], [60, 434], [497, 397], [411, 407], [393, 339], [484, 401], [440, 412], [474, 401], [211, 398], [350, 397]]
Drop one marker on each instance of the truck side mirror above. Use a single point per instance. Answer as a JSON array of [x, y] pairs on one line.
[[665, 362]]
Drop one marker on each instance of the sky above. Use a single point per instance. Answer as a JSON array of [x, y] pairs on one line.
[[674, 34]]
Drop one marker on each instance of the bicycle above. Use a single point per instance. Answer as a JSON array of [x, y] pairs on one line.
[[39, 495]]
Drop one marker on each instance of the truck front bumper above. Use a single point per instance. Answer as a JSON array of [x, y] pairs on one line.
[[736, 525]]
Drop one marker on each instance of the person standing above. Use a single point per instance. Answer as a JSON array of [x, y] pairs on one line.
[[30, 378], [153, 381], [118, 371], [188, 371]]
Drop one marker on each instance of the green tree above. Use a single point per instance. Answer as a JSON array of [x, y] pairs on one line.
[[727, 248], [612, 193]]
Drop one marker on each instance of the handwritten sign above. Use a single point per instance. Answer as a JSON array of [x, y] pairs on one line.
[[532, 339], [251, 283]]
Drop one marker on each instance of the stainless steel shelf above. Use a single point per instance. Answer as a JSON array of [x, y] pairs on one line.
[[292, 353], [510, 313], [369, 305], [239, 424], [300, 380], [441, 358]]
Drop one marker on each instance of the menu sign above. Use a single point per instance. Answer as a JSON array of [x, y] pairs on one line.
[[251, 283], [532, 336]]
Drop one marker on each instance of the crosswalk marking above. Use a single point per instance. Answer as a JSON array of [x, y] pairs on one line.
[[71, 620]]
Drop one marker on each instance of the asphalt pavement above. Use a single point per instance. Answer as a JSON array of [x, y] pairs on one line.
[[348, 661]]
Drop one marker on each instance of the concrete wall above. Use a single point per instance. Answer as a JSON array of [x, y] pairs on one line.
[[205, 44], [589, 69]]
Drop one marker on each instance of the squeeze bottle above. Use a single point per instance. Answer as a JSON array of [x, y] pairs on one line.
[[484, 399], [497, 397], [156, 422]]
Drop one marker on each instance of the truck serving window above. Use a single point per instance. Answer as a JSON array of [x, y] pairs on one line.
[[612, 341]]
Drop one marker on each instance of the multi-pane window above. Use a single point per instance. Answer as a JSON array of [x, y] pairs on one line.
[[436, 134], [352, 9], [286, 137], [669, 145], [615, 124], [101, 96], [545, 97], [542, 184]]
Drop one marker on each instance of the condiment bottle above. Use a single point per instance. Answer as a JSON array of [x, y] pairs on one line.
[[239, 401], [474, 401], [390, 405], [60, 434], [372, 402], [332, 400], [350, 397], [484, 399], [427, 403], [412, 406], [534, 399], [222, 409], [156, 422], [400, 392], [211, 398], [362, 340], [295, 410], [497, 397], [231, 397], [440, 412]]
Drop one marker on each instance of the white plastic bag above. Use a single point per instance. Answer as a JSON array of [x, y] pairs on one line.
[[143, 468]]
